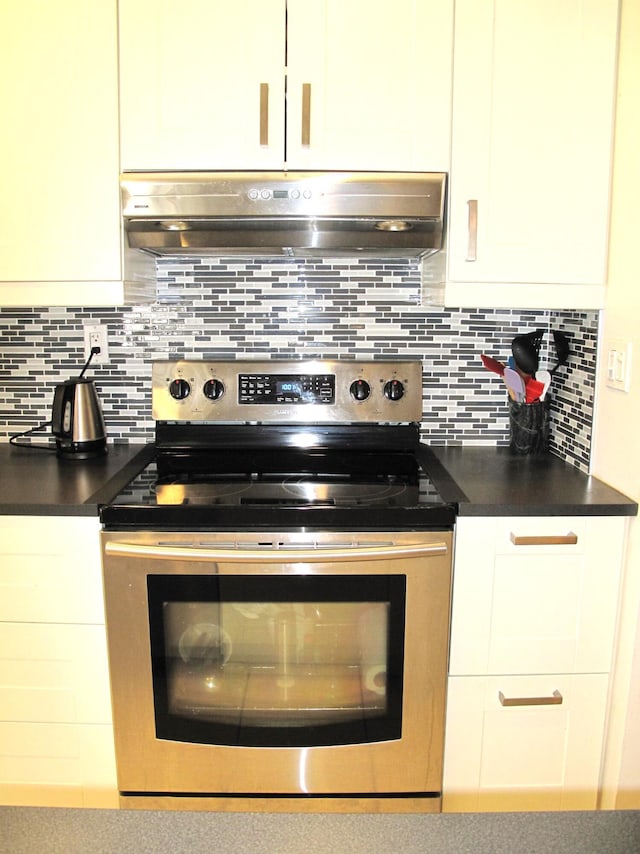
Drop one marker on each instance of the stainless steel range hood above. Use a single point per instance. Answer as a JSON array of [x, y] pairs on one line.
[[295, 213]]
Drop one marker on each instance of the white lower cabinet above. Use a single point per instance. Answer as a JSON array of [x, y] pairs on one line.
[[57, 765], [532, 634], [524, 742], [56, 732]]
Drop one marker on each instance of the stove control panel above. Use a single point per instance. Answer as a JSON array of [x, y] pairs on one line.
[[287, 392]]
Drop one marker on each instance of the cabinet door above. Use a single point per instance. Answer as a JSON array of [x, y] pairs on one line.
[[528, 599], [202, 84], [523, 743], [369, 87], [56, 735], [60, 217], [534, 93]]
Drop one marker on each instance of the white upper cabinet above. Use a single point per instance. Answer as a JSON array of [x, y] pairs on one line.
[[304, 84], [376, 77], [533, 107], [202, 84], [60, 218]]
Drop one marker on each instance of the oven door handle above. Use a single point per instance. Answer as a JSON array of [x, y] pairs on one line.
[[273, 555]]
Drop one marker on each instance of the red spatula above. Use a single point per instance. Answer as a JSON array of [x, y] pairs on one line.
[[533, 389]]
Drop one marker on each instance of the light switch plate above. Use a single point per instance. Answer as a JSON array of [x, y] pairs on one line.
[[618, 355]]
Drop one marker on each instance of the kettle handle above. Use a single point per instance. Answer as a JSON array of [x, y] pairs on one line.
[[60, 397]]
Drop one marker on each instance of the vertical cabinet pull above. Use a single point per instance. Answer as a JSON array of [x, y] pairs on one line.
[[554, 700], [264, 114], [569, 539], [306, 114], [472, 244]]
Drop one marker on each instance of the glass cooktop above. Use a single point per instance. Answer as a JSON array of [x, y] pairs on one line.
[[336, 489]]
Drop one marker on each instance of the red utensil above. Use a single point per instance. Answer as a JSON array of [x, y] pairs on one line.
[[492, 365], [532, 390]]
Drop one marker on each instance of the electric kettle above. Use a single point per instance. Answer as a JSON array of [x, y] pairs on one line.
[[77, 421]]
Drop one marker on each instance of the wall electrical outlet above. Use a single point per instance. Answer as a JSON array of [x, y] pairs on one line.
[[95, 335], [618, 364]]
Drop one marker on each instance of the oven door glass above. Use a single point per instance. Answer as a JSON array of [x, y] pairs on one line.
[[277, 661]]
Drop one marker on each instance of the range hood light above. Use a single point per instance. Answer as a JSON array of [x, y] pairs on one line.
[[393, 225], [174, 225]]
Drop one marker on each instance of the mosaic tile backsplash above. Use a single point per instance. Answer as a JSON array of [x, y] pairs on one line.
[[226, 308]]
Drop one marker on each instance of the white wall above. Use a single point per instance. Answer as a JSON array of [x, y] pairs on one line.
[[616, 459]]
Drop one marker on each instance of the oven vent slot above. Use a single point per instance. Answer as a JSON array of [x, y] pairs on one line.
[[270, 545]]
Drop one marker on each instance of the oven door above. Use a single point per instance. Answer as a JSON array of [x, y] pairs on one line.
[[246, 667]]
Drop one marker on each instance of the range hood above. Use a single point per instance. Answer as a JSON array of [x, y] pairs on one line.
[[294, 213]]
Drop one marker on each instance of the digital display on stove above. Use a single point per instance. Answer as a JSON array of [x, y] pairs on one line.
[[287, 388]]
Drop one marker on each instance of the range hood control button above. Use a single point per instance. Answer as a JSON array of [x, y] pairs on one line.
[[179, 389], [213, 389], [360, 390], [394, 390]]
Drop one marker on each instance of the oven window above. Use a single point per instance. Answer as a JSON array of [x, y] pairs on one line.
[[277, 661]]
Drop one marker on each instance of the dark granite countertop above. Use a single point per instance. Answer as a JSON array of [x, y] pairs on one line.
[[482, 481], [492, 481], [37, 483]]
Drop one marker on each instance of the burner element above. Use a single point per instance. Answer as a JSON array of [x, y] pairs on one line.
[[345, 493]]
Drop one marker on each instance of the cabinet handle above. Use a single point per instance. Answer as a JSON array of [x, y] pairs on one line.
[[264, 114], [554, 700], [569, 539], [306, 114], [472, 245]]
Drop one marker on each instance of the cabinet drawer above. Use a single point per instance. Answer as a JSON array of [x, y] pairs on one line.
[[57, 765], [545, 606], [523, 743], [54, 673], [50, 570]]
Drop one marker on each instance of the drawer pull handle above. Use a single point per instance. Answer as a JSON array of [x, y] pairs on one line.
[[569, 539], [264, 114], [554, 700]]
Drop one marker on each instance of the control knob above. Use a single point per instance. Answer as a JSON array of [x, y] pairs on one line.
[[360, 389], [179, 389], [213, 389], [394, 390]]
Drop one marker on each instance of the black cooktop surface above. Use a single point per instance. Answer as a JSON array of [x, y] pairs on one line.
[[287, 488]]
